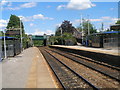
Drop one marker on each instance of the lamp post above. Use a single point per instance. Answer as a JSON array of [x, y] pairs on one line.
[[88, 26], [21, 35], [5, 45]]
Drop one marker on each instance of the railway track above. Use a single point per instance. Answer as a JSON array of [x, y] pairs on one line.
[[67, 77], [93, 77], [112, 72]]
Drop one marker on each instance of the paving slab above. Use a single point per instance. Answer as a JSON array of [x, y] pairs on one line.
[[26, 70], [40, 74]]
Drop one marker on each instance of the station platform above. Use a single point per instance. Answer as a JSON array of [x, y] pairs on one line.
[[27, 70], [97, 50], [106, 56]]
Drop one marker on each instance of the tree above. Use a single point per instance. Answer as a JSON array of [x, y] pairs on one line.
[[66, 27], [84, 27], [58, 31], [118, 22], [1, 33], [67, 37], [14, 22], [67, 31]]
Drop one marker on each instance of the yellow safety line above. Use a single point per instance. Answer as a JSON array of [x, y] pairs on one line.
[[49, 71], [32, 78]]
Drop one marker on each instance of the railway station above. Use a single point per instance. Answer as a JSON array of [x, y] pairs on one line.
[[38, 50]]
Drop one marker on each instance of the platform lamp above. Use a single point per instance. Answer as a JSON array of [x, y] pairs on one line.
[[21, 35], [88, 25], [5, 45]]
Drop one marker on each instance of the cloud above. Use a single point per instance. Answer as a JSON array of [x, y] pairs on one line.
[[3, 23], [42, 32], [3, 2], [26, 19], [10, 8], [49, 32], [28, 5], [61, 7], [57, 25], [111, 9], [34, 17], [95, 20], [107, 18], [40, 16], [31, 24], [77, 5], [25, 5], [102, 19]]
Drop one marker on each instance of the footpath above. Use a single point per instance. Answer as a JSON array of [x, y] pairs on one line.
[[27, 70]]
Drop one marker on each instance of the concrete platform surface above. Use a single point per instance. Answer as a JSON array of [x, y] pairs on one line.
[[26, 70], [100, 50]]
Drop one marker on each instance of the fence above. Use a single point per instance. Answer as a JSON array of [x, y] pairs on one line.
[[12, 46]]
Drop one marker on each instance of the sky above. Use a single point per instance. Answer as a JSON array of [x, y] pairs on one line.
[[43, 17]]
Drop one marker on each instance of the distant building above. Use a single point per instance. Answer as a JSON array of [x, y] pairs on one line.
[[37, 37], [77, 34], [40, 40]]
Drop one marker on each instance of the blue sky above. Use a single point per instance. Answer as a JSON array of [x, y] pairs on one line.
[[44, 17]]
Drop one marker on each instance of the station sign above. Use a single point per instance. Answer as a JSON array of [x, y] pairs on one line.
[[12, 32]]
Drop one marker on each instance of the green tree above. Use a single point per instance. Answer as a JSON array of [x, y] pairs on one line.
[[66, 27], [118, 22], [69, 37], [14, 22], [58, 31], [1, 33], [84, 27], [67, 31]]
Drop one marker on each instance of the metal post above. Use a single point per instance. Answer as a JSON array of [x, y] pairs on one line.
[[102, 26], [5, 46], [82, 28], [88, 26], [21, 35]]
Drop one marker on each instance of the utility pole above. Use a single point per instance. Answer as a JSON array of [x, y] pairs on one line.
[[102, 27], [82, 27], [88, 26], [4, 39]]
